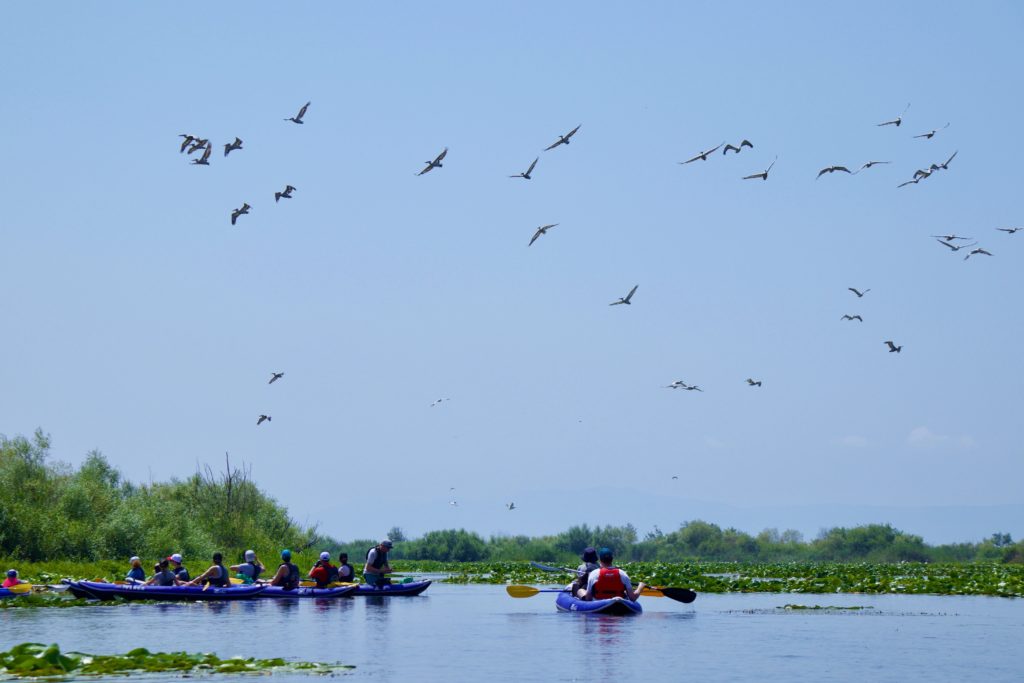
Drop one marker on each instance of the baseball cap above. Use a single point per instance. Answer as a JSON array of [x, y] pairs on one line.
[[250, 555], [605, 554], [325, 555], [135, 558], [387, 543], [176, 557]]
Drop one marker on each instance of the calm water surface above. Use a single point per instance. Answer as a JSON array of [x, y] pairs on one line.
[[455, 633]]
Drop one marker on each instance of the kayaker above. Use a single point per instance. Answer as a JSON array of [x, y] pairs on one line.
[[162, 575], [377, 564], [346, 574], [579, 585], [287, 576], [217, 575], [323, 572], [608, 581], [180, 573], [12, 578], [136, 573], [249, 570]]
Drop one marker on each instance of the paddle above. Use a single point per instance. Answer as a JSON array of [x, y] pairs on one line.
[[21, 588], [530, 591], [684, 595]]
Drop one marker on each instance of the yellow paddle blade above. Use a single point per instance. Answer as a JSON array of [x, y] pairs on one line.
[[307, 584], [522, 591], [21, 588], [236, 581], [652, 593]]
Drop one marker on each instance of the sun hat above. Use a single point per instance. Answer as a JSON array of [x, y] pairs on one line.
[[250, 555], [12, 572], [387, 543], [176, 557], [605, 554], [589, 554], [325, 555]]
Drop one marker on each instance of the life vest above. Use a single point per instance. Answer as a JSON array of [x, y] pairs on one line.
[[382, 558], [346, 573], [220, 581], [609, 585], [332, 573], [291, 580]]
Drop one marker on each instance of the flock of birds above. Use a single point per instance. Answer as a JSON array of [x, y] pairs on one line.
[[192, 144]]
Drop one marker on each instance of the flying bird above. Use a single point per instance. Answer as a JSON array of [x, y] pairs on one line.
[[261, 419], [763, 175], [187, 141], [898, 120], [232, 146], [438, 402], [945, 164], [950, 238], [239, 212], [703, 156], [892, 347], [930, 134], [979, 250], [274, 376], [436, 163], [625, 299], [205, 159], [675, 476], [678, 384], [831, 169], [955, 247], [198, 144], [542, 230], [753, 382], [922, 173], [563, 139], [528, 171], [858, 292], [915, 181], [1009, 231], [287, 194], [454, 503], [745, 143], [870, 164], [852, 317], [693, 387], [302, 112], [511, 506]]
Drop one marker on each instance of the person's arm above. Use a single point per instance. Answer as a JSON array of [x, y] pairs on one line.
[[279, 576], [591, 580], [628, 585], [235, 567], [370, 559], [205, 575]]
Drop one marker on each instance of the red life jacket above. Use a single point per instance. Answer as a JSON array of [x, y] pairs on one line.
[[609, 585]]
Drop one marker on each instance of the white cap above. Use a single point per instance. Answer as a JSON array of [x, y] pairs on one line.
[[176, 557], [325, 555], [135, 558], [250, 555]]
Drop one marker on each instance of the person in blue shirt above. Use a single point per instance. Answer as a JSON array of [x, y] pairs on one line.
[[136, 573], [180, 573]]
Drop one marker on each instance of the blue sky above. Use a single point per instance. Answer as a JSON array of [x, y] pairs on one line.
[[138, 321]]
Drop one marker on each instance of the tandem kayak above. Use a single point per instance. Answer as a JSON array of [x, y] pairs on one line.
[[97, 590], [411, 588], [617, 606], [8, 593], [309, 592]]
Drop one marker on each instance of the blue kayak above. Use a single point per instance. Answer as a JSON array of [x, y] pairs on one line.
[[308, 592], [8, 593], [96, 590], [616, 606], [411, 588]]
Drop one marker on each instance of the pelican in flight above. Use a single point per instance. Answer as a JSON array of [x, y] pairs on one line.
[[625, 299], [542, 230], [870, 164], [1009, 231], [436, 163], [563, 139], [858, 292], [753, 382], [239, 212], [261, 419], [703, 156], [302, 112], [232, 146], [678, 384], [198, 144], [511, 506], [852, 317], [205, 159], [737, 149], [979, 250], [898, 120], [892, 347], [955, 247], [763, 175], [274, 376], [832, 169], [528, 171], [945, 164], [693, 387], [950, 238], [438, 402], [287, 194], [187, 141], [930, 134]]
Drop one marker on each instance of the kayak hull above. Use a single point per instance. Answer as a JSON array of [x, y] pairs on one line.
[[615, 606], [96, 590], [396, 589], [308, 592], [8, 593]]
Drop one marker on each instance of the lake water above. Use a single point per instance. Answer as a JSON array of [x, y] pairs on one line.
[[457, 633]]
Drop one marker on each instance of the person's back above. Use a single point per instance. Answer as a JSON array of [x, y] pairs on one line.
[[346, 572], [579, 585], [136, 573], [181, 574], [249, 570], [608, 581], [12, 578], [164, 577], [287, 576]]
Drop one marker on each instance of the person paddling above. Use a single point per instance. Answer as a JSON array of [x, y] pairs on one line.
[[217, 575], [346, 574], [162, 575], [287, 576], [579, 585], [608, 581], [323, 572], [180, 573], [249, 570], [377, 564], [12, 579], [136, 573]]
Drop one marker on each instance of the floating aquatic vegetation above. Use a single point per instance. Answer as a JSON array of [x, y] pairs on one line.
[[829, 608], [35, 660]]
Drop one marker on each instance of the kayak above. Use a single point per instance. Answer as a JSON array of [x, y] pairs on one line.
[[411, 588], [96, 590], [617, 606], [308, 592], [8, 593]]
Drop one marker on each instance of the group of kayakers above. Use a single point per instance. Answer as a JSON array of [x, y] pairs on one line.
[[170, 571], [597, 578]]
